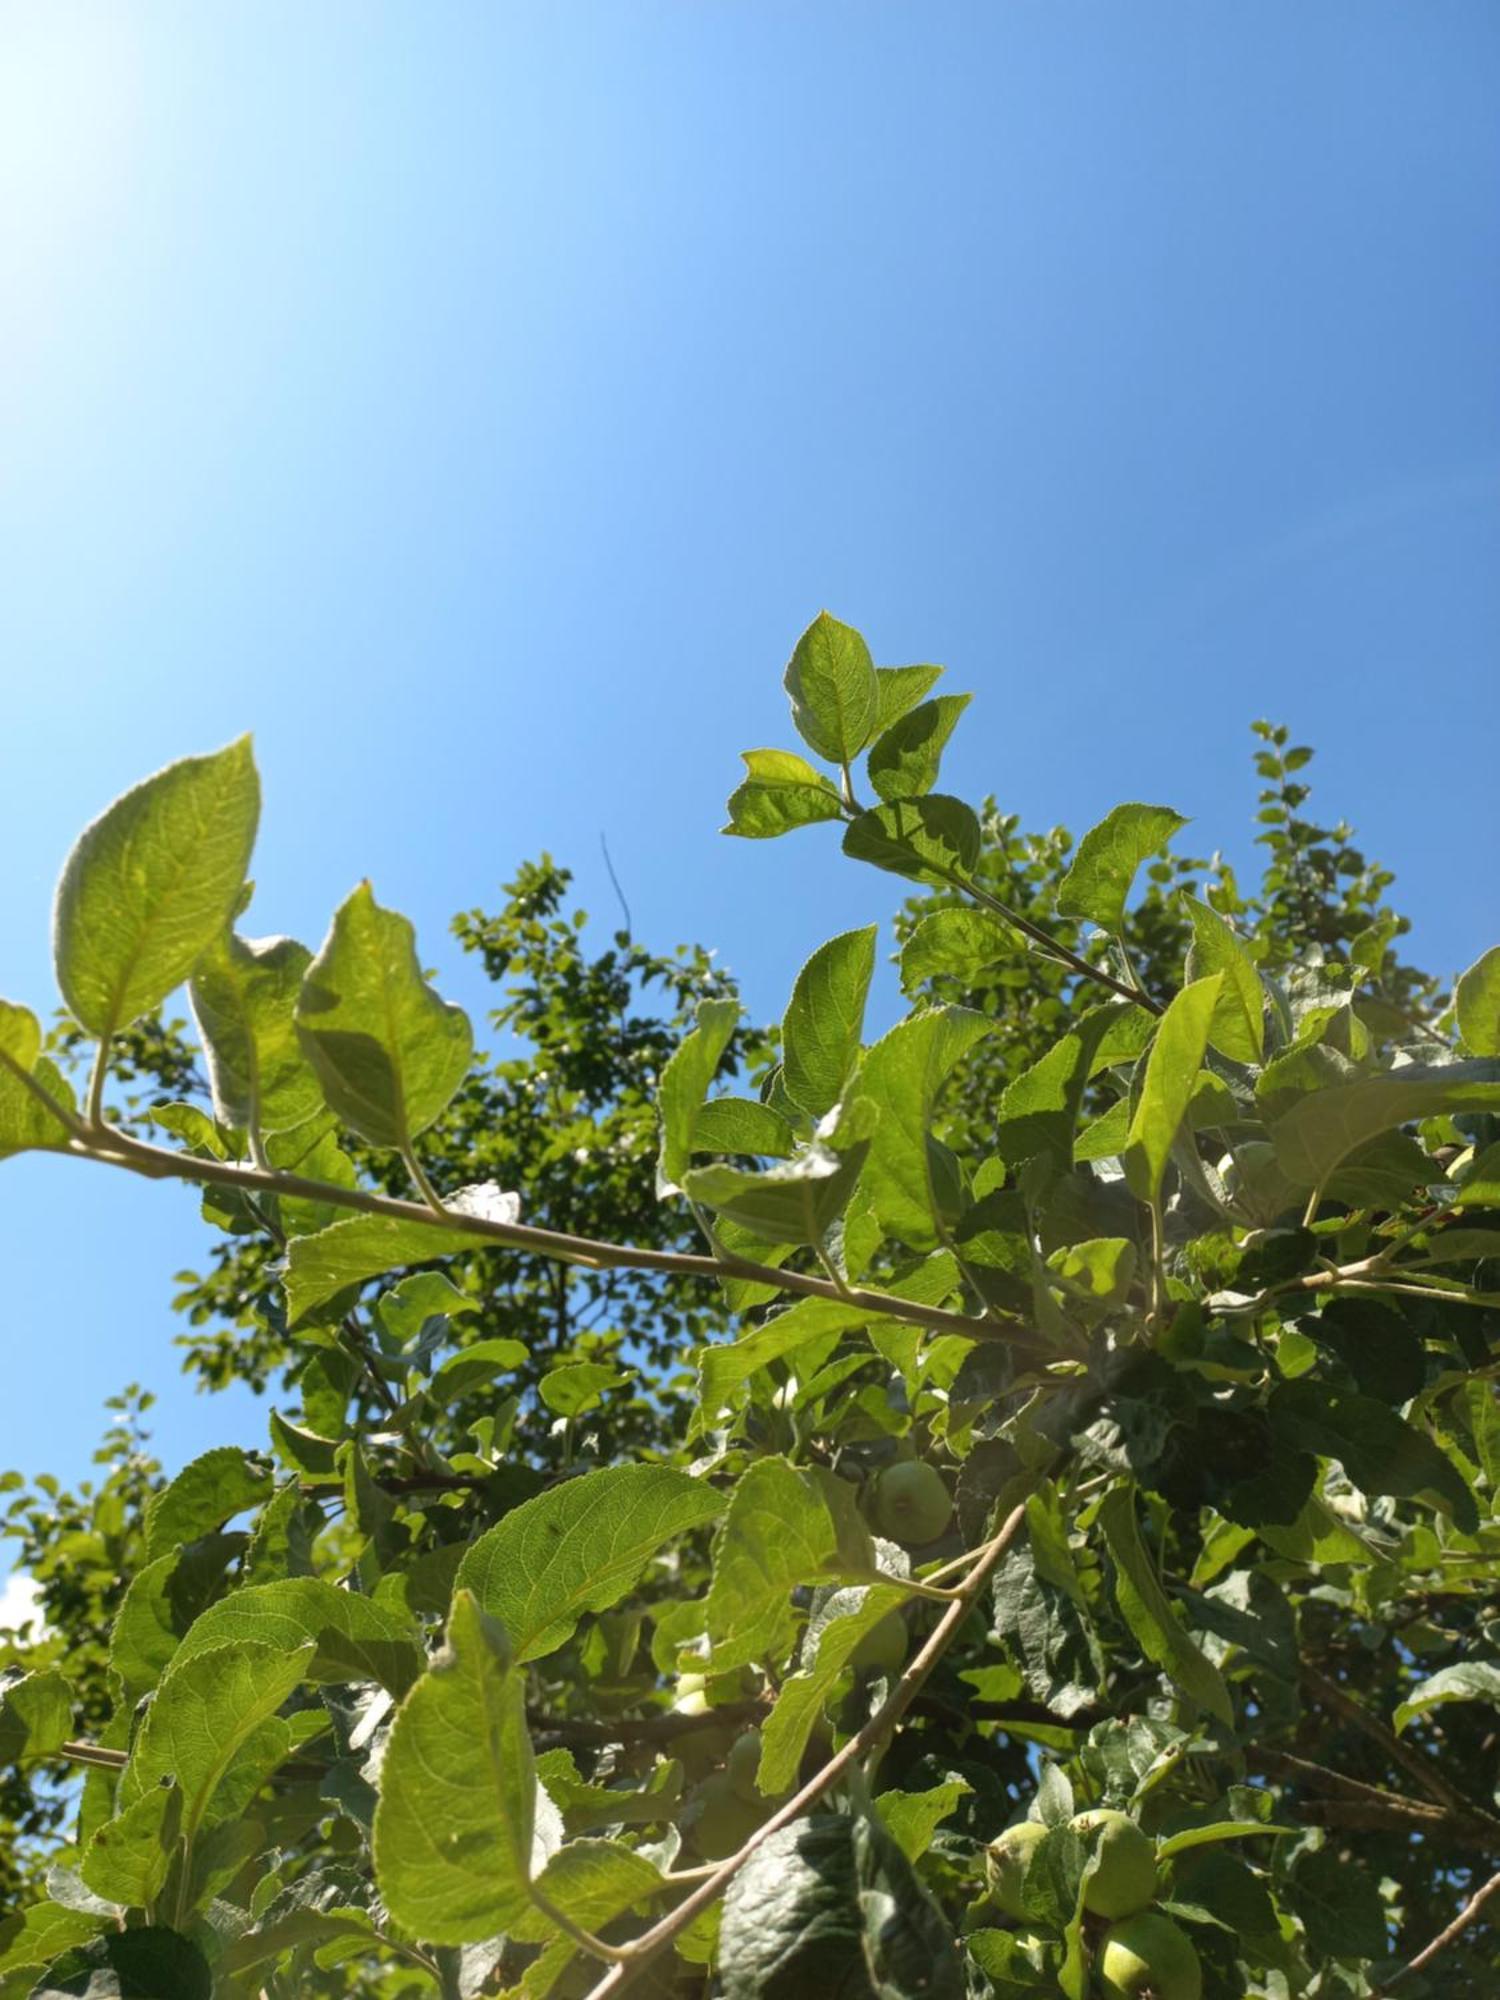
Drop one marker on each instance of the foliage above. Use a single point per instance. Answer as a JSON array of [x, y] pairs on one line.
[[1072, 1409]]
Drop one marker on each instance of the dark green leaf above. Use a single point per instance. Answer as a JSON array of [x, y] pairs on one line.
[[204, 1495], [1147, 1610], [387, 1050], [956, 944], [147, 1964], [354, 1639], [1322, 1127], [342, 1256], [904, 761], [1466, 1680], [1339, 1905], [932, 839], [742, 1125], [244, 993], [1171, 1077], [902, 1075], [1380, 1451]]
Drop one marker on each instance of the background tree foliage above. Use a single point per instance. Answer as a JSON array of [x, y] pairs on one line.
[[1081, 1398]]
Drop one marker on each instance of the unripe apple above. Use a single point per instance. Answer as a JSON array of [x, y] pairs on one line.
[[1005, 1863], [742, 1764], [883, 1648], [1125, 1879], [1148, 1957], [721, 1820], [691, 1700], [910, 1503]]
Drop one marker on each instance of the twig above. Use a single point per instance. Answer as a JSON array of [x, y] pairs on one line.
[[159, 1162], [1444, 1938], [654, 1941], [1405, 1754]]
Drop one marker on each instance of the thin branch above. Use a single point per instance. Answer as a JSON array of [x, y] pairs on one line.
[[116, 1149], [1444, 1938], [1063, 953], [1398, 1751], [654, 1941]]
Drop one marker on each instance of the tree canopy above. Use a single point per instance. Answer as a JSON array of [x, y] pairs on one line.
[[1003, 1506]]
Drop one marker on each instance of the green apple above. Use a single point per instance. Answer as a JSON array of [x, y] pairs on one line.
[[691, 1699], [1124, 1880], [910, 1503], [883, 1648], [1005, 1863], [721, 1821], [742, 1764], [1148, 1957]]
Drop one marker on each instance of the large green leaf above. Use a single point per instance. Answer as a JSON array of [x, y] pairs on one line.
[[209, 1491], [457, 1815], [1171, 1077], [1239, 1022], [345, 1254], [1380, 1451], [796, 1201], [684, 1084], [203, 1715], [821, 1033], [1103, 869], [904, 761], [1039, 1110], [151, 884], [1466, 1680], [776, 1536], [899, 689], [834, 694], [149, 1963], [1476, 1000], [902, 1075], [389, 1053], [931, 839], [957, 944], [1147, 1610], [1323, 1126], [129, 1858], [354, 1638], [580, 1547], [779, 792], [742, 1125], [244, 994], [36, 1715], [830, 1904], [847, 1617]]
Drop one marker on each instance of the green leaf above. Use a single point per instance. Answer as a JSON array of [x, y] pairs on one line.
[[776, 1535], [244, 994], [847, 1617], [1476, 1000], [1340, 1906], [1239, 1023], [741, 1125], [830, 1904], [931, 839], [899, 689], [593, 1882], [354, 1639], [345, 1254], [1215, 1830], [1381, 1452], [475, 1365], [130, 1856], [204, 1712], [903, 1074], [834, 693], [1147, 1610], [779, 792], [151, 1963], [151, 884], [955, 944], [580, 1547], [1323, 1126], [912, 1818], [204, 1495], [388, 1052], [684, 1085], [796, 1201], [904, 761], [1171, 1077], [824, 1018], [36, 1936], [457, 1815], [25, 1122], [1103, 1267], [36, 1715], [1466, 1680], [1039, 1111], [1097, 884], [578, 1386], [20, 1035]]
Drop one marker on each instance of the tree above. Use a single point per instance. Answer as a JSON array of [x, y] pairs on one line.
[[1093, 1427]]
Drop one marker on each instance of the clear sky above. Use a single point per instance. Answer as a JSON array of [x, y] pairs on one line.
[[476, 400]]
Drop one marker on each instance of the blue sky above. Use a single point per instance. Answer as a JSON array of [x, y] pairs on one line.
[[475, 401]]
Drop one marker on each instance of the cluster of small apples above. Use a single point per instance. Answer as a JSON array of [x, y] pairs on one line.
[[1143, 1954]]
